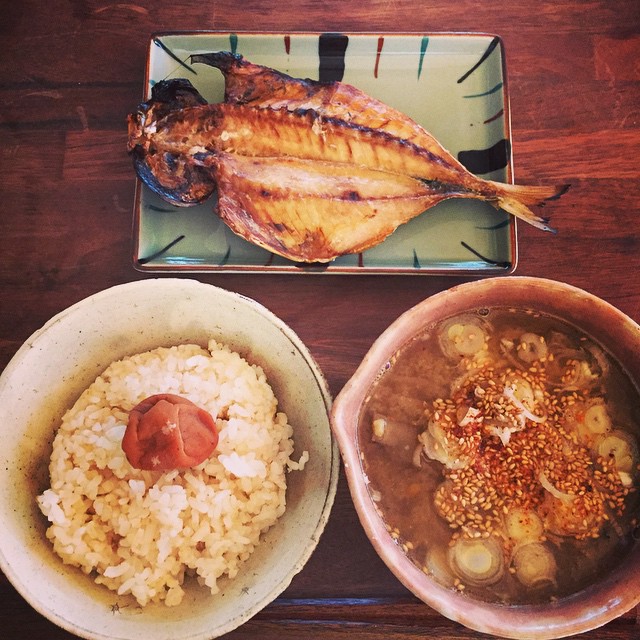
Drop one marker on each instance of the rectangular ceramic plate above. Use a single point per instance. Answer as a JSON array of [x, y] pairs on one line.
[[455, 85]]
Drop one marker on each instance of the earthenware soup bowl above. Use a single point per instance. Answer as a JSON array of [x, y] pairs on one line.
[[59, 361], [596, 604]]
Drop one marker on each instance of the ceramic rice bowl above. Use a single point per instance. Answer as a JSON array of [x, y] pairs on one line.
[[591, 607], [59, 361]]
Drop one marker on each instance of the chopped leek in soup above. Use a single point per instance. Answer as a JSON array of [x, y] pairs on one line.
[[501, 449]]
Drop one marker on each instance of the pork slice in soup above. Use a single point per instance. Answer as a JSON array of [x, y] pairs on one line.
[[502, 453]]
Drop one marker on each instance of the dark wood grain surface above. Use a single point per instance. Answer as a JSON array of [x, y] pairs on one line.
[[71, 70]]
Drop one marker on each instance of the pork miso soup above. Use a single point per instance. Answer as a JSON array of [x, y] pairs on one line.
[[501, 448]]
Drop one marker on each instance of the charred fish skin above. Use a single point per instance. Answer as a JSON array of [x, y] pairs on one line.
[[167, 97], [173, 96], [188, 137], [176, 178], [335, 199], [231, 128], [253, 84], [250, 83], [351, 168], [247, 83]]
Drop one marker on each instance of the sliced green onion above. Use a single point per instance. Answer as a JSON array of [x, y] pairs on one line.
[[535, 565], [477, 561], [532, 347], [622, 447], [463, 337], [523, 524], [596, 418]]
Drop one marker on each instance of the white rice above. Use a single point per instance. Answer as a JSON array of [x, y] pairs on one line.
[[142, 532]]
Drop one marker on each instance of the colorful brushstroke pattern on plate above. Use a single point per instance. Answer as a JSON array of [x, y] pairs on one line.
[[453, 84]]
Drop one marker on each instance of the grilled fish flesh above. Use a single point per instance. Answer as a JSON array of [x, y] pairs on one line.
[[305, 169]]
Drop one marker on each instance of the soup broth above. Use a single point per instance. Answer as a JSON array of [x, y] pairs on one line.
[[501, 449]]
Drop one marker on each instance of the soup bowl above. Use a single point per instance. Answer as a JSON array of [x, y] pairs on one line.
[[53, 368], [607, 596]]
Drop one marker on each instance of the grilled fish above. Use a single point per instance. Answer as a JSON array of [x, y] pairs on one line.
[[307, 170]]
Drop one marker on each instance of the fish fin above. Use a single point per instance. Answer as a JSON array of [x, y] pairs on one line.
[[516, 199], [226, 61], [522, 211], [531, 194]]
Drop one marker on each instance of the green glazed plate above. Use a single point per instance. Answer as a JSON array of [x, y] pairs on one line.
[[455, 85]]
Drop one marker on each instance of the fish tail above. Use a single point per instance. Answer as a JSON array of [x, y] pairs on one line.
[[522, 211], [531, 194], [517, 200]]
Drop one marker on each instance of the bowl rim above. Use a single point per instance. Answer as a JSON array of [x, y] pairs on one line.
[[190, 286], [553, 620]]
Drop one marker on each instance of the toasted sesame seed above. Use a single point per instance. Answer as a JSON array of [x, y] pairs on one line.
[[507, 475]]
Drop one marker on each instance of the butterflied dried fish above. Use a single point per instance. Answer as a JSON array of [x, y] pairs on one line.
[[308, 170]]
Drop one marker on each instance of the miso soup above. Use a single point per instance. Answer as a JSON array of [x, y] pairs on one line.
[[501, 449]]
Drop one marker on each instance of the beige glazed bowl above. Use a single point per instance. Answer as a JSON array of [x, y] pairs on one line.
[[591, 607], [49, 372]]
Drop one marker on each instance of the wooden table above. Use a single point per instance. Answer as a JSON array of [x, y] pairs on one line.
[[72, 70]]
